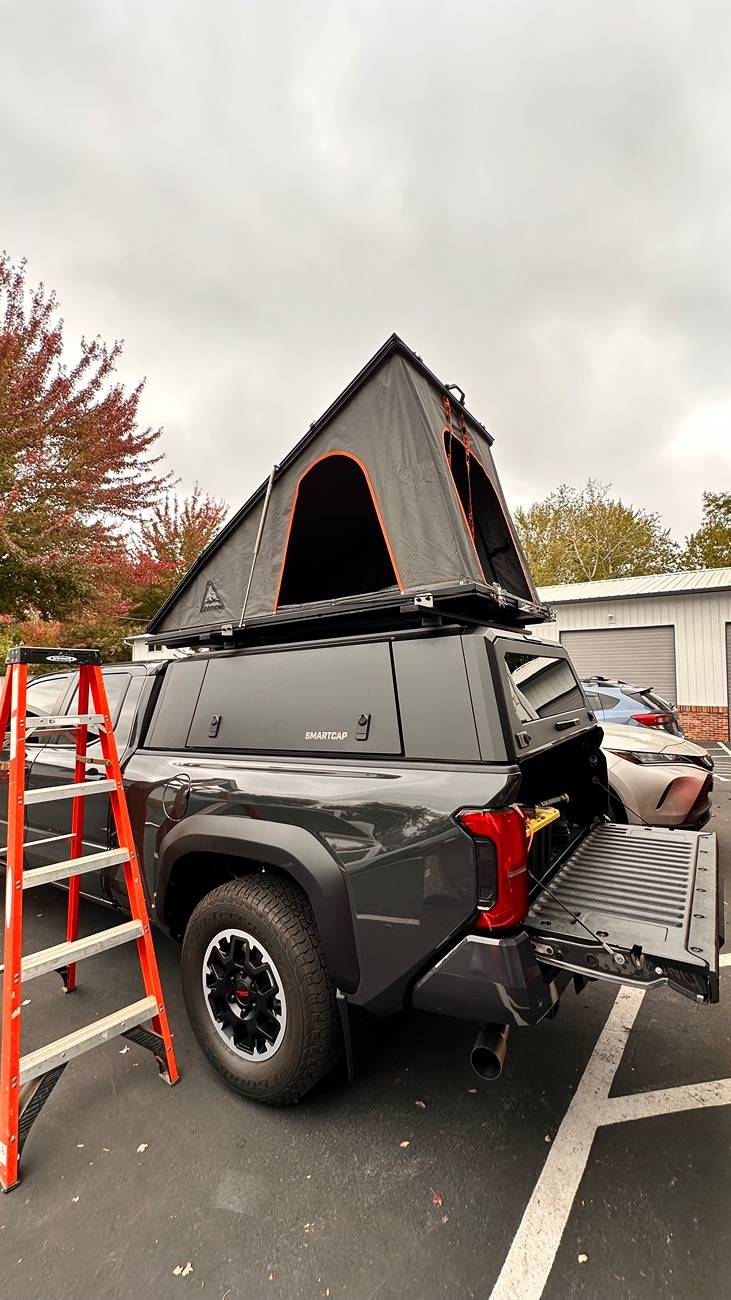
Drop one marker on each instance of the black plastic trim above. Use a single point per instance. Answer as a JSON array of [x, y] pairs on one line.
[[490, 978], [292, 850]]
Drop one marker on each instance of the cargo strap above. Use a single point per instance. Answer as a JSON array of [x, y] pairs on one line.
[[26, 1082]]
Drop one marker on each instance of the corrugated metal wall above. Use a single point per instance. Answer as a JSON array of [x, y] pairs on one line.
[[644, 656], [700, 635]]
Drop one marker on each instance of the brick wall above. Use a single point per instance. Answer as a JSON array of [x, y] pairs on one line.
[[704, 721]]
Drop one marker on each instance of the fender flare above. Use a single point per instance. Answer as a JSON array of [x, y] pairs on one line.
[[297, 853]]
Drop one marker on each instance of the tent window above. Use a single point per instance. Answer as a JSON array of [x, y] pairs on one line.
[[336, 543], [486, 520]]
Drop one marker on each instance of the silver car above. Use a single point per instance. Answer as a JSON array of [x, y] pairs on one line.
[[657, 779]]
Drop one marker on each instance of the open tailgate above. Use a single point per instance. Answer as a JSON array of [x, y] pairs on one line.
[[652, 899]]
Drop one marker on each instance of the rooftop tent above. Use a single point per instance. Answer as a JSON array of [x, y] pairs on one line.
[[392, 493]]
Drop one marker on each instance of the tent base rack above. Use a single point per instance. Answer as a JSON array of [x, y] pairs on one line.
[[464, 604]]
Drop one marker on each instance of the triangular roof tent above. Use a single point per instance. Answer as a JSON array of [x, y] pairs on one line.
[[392, 496]]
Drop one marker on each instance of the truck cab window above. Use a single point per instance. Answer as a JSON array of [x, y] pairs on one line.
[[43, 697], [117, 684]]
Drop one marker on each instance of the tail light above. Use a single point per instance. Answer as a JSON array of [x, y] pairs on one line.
[[502, 865], [653, 719]]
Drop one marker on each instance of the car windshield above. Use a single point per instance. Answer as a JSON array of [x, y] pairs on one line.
[[649, 699], [657, 702]]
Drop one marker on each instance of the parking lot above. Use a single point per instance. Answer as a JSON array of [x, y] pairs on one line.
[[598, 1165]]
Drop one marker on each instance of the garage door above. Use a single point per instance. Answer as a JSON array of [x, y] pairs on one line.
[[644, 656], [728, 672]]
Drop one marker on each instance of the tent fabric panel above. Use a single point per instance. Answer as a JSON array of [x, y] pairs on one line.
[[223, 575], [432, 540]]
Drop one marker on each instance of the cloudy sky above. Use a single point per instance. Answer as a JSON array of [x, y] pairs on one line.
[[536, 195]]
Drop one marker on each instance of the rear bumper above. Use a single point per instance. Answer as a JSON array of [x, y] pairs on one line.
[[493, 979]]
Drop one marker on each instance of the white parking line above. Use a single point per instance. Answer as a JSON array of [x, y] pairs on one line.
[[667, 1101], [531, 1256], [725, 748]]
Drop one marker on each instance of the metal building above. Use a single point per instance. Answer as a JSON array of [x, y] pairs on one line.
[[667, 630]]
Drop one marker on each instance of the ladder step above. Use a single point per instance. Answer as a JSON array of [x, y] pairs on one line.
[[49, 839], [61, 954], [63, 722], [72, 866], [31, 844], [49, 793], [82, 1040]]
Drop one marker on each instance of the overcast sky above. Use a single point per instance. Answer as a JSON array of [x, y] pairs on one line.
[[536, 195]]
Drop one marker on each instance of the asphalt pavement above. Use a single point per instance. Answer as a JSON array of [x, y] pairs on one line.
[[411, 1182]]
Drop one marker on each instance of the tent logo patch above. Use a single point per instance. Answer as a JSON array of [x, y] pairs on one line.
[[211, 599]]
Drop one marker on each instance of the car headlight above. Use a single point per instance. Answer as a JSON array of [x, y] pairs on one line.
[[643, 758]]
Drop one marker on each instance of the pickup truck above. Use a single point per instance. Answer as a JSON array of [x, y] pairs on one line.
[[415, 818]]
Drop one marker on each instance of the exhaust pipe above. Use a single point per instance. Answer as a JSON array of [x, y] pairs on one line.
[[487, 1057]]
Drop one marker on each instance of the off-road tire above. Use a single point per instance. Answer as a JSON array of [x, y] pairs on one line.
[[277, 913]]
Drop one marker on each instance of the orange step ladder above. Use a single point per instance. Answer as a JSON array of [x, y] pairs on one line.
[[27, 1081]]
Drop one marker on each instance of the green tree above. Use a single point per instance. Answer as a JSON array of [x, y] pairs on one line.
[[710, 546], [583, 534]]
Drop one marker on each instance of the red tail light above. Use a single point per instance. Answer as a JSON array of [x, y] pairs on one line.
[[507, 833], [653, 719]]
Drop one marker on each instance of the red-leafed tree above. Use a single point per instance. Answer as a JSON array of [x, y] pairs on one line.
[[169, 541], [75, 469]]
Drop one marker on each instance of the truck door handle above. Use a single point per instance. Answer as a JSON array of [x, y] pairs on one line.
[[93, 771], [566, 723]]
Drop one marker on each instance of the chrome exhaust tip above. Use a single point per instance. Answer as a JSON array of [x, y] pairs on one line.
[[487, 1057]]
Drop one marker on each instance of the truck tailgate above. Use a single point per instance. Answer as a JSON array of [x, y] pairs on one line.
[[635, 905]]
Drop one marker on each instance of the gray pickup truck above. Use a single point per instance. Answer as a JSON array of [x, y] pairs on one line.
[[411, 818]]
